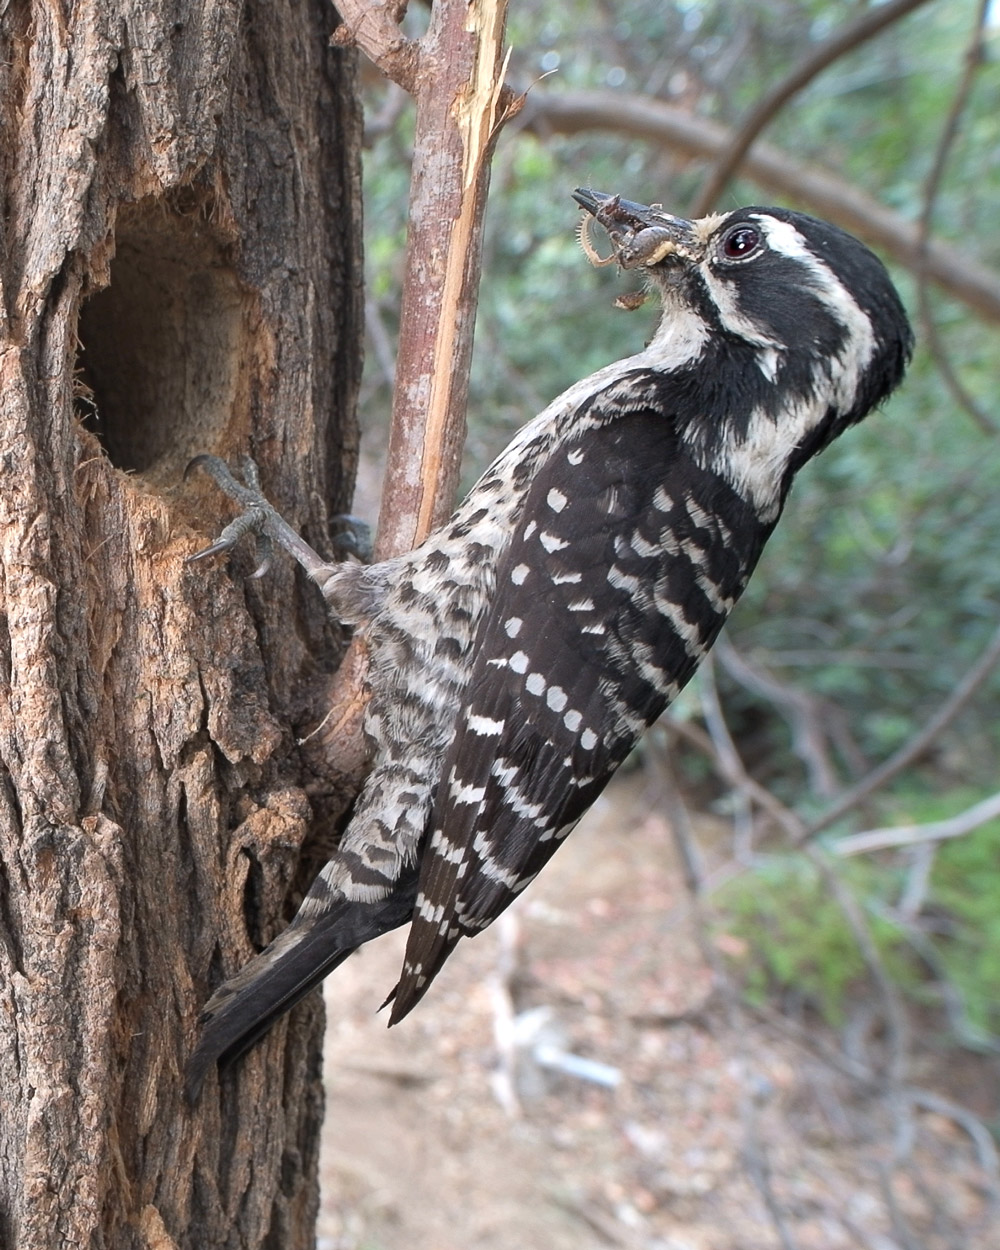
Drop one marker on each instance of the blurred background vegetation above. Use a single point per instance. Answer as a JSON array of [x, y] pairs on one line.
[[881, 589]]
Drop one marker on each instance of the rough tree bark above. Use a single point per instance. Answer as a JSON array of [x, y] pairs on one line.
[[179, 262]]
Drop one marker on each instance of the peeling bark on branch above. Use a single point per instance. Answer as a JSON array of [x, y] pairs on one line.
[[455, 73], [179, 273]]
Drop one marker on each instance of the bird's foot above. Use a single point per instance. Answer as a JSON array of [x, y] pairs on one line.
[[259, 517], [352, 536]]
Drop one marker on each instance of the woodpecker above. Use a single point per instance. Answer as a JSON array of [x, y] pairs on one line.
[[519, 653]]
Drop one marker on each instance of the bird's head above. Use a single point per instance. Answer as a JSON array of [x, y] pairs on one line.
[[785, 317]]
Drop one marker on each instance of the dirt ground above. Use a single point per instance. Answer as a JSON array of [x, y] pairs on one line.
[[701, 1127]]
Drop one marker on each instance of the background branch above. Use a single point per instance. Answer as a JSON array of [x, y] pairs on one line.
[[949, 132], [966, 278], [913, 835], [808, 717], [864, 27], [373, 26], [731, 766], [911, 751]]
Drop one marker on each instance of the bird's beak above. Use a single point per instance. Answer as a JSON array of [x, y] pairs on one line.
[[642, 235]]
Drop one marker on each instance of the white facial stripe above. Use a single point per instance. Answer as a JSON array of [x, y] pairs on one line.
[[722, 288], [782, 237], [768, 360], [755, 464]]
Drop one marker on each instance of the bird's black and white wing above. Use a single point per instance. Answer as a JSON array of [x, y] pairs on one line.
[[625, 564]]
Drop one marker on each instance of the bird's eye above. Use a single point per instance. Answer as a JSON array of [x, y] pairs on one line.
[[740, 242]]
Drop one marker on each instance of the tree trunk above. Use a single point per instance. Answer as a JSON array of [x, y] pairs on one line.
[[180, 270]]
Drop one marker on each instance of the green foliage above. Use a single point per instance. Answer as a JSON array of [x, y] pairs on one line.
[[964, 914], [881, 586], [797, 937], [798, 940]]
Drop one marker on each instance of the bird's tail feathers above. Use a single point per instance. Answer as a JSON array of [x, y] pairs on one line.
[[243, 1008]]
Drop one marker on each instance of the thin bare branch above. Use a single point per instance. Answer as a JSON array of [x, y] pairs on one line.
[[731, 765], [891, 1002], [681, 827], [903, 1235], [949, 132], [914, 835], [374, 28], [951, 996], [956, 388], [729, 758], [732, 771], [863, 28], [964, 277], [911, 751], [501, 983], [917, 884], [808, 717], [755, 1160], [979, 1134], [892, 1008]]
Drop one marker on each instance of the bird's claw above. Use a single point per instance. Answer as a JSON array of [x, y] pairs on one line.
[[256, 514], [247, 492], [258, 517], [246, 523]]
